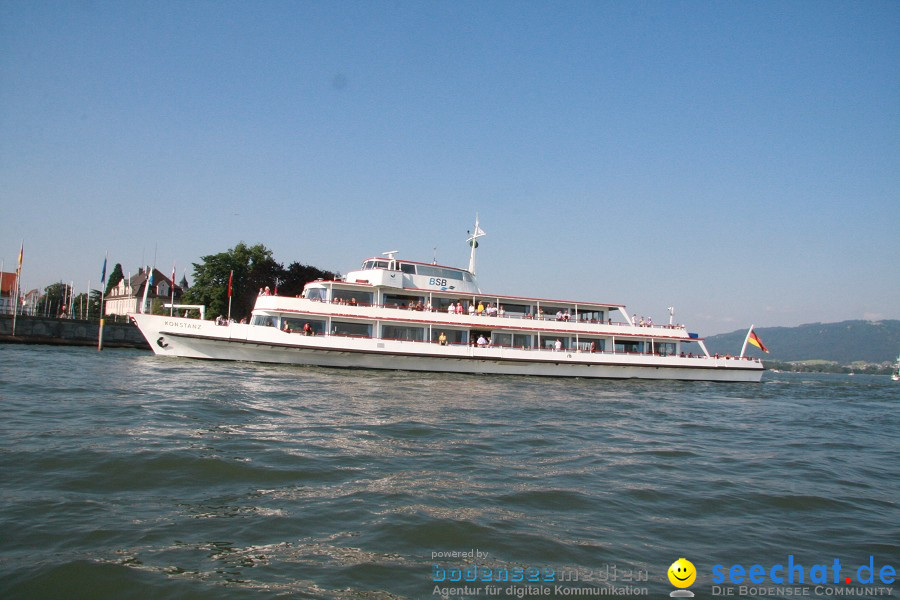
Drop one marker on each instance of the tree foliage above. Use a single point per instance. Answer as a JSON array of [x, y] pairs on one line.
[[254, 269], [114, 278], [87, 306], [55, 296]]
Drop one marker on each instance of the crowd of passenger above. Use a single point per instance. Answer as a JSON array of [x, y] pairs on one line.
[[482, 309]]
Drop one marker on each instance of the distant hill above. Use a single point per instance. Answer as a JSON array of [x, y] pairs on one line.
[[844, 342]]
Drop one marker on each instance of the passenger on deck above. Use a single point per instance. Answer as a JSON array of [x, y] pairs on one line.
[[471, 310], [557, 346], [480, 309], [451, 309], [442, 339], [481, 341], [307, 329]]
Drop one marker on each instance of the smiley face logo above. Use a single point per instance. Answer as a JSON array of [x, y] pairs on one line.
[[682, 573]]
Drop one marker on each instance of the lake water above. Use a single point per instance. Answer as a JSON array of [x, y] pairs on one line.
[[125, 475]]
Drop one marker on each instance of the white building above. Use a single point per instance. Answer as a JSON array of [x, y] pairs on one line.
[[127, 295]]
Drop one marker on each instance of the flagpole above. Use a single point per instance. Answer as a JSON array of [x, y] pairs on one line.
[[18, 285], [102, 294], [172, 304], [230, 278], [147, 283], [746, 339]]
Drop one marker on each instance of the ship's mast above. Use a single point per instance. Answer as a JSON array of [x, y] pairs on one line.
[[473, 242]]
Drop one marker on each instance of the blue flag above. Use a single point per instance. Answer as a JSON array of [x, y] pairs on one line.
[[103, 273]]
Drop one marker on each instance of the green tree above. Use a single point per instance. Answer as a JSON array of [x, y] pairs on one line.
[[253, 268], [296, 276], [114, 278], [55, 296], [87, 306]]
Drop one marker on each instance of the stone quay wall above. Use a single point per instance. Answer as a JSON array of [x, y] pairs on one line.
[[70, 332]]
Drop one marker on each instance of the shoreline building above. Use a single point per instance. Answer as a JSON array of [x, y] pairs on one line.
[[7, 291], [127, 295]]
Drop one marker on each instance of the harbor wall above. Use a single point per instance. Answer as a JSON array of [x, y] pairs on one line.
[[70, 332]]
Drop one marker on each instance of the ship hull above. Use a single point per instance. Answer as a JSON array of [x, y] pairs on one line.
[[191, 338]]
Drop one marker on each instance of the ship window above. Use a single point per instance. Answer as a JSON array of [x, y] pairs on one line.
[[399, 301], [592, 316], [381, 264], [501, 339], [408, 268], [550, 312], [516, 309], [352, 297], [629, 347], [264, 320], [352, 329], [590, 345], [397, 332], [430, 271], [454, 336], [317, 294], [550, 342], [664, 348], [522, 340], [369, 264], [296, 325]]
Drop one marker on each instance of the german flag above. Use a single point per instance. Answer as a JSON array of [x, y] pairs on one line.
[[754, 339]]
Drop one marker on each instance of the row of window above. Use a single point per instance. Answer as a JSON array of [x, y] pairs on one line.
[[457, 336], [439, 304]]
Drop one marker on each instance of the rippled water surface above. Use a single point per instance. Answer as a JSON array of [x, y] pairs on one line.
[[125, 475]]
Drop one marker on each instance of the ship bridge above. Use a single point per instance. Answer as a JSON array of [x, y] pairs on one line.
[[406, 274]]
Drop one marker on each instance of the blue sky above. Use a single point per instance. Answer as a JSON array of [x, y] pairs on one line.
[[737, 160]]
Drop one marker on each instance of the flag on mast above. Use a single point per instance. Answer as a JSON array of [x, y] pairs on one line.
[[102, 295], [18, 286], [230, 278], [172, 307], [754, 339], [147, 286]]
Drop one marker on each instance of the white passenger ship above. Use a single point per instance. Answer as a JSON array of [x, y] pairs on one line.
[[405, 315]]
